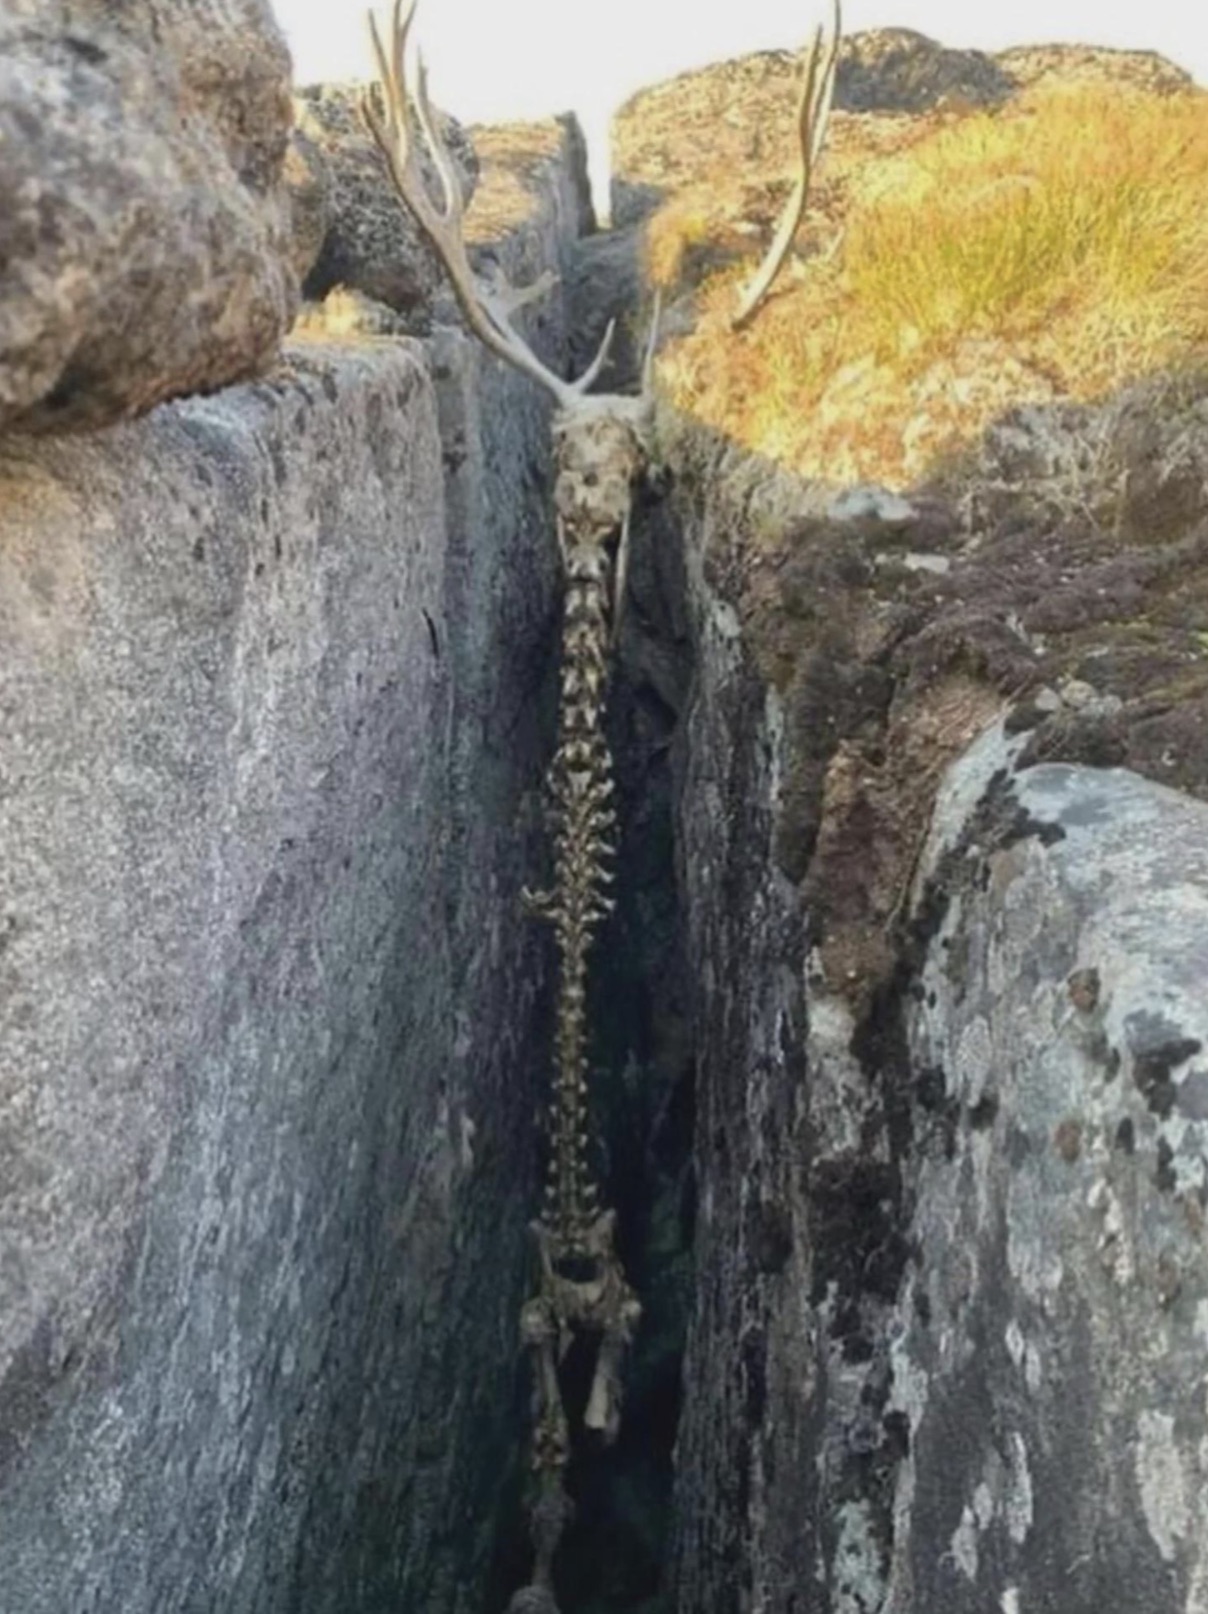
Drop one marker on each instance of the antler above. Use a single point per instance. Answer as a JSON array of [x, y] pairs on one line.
[[486, 312], [813, 112]]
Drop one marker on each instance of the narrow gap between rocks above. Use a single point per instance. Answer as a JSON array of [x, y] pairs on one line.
[[614, 1557]]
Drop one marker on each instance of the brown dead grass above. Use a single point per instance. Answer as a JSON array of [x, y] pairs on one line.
[[1055, 248]]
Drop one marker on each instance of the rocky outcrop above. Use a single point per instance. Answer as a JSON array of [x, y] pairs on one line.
[[1048, 1360], [274, 735], [144, 226], [370, 242], [947, 1338]]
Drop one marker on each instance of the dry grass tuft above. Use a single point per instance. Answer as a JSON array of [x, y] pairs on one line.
[[1058, 247]]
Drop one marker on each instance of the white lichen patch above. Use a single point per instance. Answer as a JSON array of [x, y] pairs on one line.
[[974, 1061], [1201, 1322], [1017, 1498], [1197, 1592], [1015, 1342], [1009, 1602], [859, 1577], [910, 1385], [963, 1546], [1115, 1246], [839, 1094], [1161, 1481], [963, 787], [1024, 1355]]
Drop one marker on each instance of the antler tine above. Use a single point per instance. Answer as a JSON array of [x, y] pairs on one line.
[[656, 314], [486, 317], [401, 19], [580, 386], [450, 179], [813, 114], [821, 94]]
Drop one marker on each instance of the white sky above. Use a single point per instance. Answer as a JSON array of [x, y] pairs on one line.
[[494, 59]]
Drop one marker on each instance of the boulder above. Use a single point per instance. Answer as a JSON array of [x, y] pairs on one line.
[[144, 226], [371, 244], [1048, 1368], [308, 176]]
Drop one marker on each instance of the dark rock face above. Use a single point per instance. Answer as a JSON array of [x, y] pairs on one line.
[[898, 70], [265, 1058], [144, 223], [371, 244], [948, 1333], [747, 1478]]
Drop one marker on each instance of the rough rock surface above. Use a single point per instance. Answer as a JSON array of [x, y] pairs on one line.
[[879, 1415], [748, 1423], [309, 180], [144, 226], [370, 243], [850, 647], [275, 719], [735, 118], [1048, 1367]]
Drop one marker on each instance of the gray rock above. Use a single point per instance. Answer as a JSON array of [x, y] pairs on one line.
[[1050, 1360], [270, 782], [923, 561], [899, 70], [951, 1310], [144, 228], [871, 506], [308, 177], [371, 244]]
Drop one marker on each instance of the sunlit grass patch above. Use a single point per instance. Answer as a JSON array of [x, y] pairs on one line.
[[1090, 201], [1061, 244]]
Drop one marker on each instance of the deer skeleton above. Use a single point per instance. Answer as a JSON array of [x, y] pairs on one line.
[[601, 445]]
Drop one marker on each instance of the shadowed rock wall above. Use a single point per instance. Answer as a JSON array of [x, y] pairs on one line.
[[259, 1047], [275, 715], [948, 1341], [747, 1360]]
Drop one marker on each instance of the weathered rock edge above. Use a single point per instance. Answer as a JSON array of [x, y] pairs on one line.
[[274, 687], [948, 1336], [1053, 1327], [145, 227]]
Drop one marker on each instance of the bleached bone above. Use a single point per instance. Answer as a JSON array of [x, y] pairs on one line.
[[601, 443], [405, 90], [813, 115], [600, 439]]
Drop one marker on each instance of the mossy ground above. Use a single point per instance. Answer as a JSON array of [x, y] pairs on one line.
[[950, 266]]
